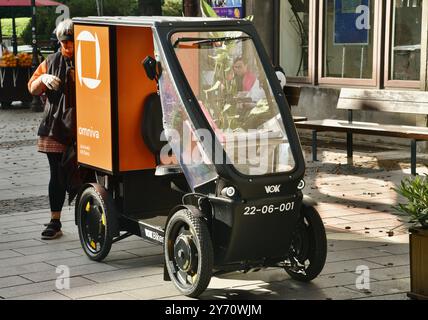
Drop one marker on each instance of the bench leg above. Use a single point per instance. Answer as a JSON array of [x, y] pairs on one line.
[[349, 145], [413, 157], [314, 145]]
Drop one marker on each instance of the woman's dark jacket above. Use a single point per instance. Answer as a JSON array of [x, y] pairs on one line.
[[59, 118]]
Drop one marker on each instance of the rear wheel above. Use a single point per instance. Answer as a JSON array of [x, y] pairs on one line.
[[308, 250], [95, 221], [188, 253]]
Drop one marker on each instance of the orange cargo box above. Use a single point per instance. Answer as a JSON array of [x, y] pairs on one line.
[[111, 87]]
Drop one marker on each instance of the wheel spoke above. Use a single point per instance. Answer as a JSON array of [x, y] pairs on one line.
[[182, 277]]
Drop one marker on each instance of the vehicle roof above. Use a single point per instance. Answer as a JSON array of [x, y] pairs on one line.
[[155, 20]]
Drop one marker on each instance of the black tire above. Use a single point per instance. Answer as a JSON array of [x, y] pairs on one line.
[[95, 231], [195, 280], [308, 250]]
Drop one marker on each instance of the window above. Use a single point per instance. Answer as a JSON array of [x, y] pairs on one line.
[[295, 39], [368, 43], [404, 39], [349, 43], [236, 99]]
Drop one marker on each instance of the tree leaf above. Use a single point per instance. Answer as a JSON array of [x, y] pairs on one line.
[[207, 11]]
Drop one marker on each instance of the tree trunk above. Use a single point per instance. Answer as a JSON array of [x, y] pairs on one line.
[[191, 8], [150, 7]]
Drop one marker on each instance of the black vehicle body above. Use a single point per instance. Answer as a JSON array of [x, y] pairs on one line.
[[250, 220]]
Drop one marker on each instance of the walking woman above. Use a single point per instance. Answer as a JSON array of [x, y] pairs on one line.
[[55, 78]]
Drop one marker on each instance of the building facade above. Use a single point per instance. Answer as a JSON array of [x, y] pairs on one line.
[[326, 45]]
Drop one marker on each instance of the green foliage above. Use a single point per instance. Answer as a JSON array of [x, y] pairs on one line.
[[45, 19], [172, 8], [416, 192], [6, 25], [207, 10], [46, 16]]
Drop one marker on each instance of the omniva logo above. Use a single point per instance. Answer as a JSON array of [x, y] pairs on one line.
[[86, 36], [90, 133]]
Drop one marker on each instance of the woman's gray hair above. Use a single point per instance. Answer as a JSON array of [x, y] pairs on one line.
[[64, 30]]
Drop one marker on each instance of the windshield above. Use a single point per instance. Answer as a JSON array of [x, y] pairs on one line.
[[230, 84]]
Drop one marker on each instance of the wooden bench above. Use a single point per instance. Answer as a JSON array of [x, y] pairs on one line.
[[406, 102]]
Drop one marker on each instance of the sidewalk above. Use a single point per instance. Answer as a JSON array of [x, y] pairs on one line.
[[354, 201]]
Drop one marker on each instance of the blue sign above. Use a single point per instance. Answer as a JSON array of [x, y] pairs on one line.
[[228, 8], [351, 22]]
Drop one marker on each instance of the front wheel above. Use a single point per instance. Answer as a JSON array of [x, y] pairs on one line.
[[188, 253], [308, 250], [96, 221]]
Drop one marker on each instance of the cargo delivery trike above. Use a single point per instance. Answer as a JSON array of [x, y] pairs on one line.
[[192, 146]]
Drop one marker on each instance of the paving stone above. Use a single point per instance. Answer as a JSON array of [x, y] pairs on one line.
[[24, 269], [264, 275], [25, 260], [20, 244], [390, 273], [4, 254], [50, 296], [84, 260], [51, 247], [51, 274], [339, 245], [135, 243], [111, 287], [348, 266], [222, 283], [162, 291], [138, 262], [12, 281], [393, 260], [16, 224], [40, 287], [388, 287], [395, 248], [281, 292], [112, 296], [19, 237], [148, 251], [398, 296], [123, 274], [359, 253]]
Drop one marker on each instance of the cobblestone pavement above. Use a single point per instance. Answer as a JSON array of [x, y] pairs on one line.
[[354, 201]]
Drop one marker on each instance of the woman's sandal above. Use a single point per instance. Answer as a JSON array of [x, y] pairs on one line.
[[52, 231]]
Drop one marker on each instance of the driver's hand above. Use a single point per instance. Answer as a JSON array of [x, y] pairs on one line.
[[50, 81]]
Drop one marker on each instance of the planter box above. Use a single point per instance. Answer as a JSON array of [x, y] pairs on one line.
[[419, 263]]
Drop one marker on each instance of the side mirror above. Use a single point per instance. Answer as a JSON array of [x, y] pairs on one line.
[[151, 67]]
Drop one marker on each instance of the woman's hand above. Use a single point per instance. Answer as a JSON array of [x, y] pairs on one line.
[[50, 81]]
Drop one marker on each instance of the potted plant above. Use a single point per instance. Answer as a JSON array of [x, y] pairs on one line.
[[416, 192]]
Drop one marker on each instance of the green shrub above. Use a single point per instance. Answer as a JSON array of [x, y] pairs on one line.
[[416, 192], [172, 8]]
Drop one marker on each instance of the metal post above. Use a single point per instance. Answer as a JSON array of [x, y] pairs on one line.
[[1, 35], [349, 145], [343, 61], [314, 145], [413, 158], [349, 137], [36, 104], [14, 37]]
